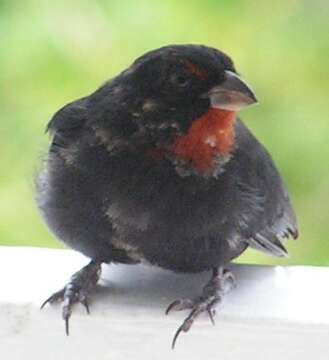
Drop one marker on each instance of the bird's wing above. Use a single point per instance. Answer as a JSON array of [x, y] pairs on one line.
[[280, 225], [275, 219]]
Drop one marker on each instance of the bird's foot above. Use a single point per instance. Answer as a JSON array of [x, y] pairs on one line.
[[221, 282], [77, 290]]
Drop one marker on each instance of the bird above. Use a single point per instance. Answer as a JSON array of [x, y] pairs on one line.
[[156, 167]]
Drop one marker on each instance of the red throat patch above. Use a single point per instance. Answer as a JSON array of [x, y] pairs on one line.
[[209, 136]]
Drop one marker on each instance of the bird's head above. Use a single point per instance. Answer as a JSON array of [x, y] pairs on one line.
[[187, 80], [183, 98]]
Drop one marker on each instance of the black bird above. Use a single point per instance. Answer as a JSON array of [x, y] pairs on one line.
[[155, 167]]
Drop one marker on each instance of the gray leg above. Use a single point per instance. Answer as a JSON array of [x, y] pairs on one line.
[[220, 283], [77, 290]]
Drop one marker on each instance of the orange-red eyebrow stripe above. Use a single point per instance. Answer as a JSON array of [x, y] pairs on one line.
[[196, 70]]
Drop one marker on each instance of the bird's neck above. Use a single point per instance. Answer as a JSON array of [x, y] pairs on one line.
[[205, 148], [210, 137]]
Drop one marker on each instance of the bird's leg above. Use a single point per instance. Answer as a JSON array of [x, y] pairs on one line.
[[220, 283], [77, 290]]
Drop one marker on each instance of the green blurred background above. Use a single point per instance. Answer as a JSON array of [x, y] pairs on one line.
[[54, 52]]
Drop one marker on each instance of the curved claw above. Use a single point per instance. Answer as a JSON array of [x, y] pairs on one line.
[[196, 311], [54, 297], [66, 319], [179, 330], [172, 305], [66, 313], [186, 325], [180, 304], [211, 315], [49, 300]]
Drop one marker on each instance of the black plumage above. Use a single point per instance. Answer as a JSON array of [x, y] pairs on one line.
[[114, 188]]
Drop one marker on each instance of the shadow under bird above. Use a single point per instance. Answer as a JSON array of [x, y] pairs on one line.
[[156, 167]]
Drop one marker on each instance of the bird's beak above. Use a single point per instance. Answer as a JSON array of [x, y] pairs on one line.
[[232, 94]]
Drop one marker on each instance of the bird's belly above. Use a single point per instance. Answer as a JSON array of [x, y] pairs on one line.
[[176, 233], [130, 211], [179, 223], [179, 253]]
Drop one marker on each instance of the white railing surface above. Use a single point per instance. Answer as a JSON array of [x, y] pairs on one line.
[[274, 313]]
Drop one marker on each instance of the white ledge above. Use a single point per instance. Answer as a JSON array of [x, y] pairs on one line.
[[275, 312]]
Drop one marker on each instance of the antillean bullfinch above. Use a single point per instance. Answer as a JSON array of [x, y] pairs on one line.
[[156, 167]]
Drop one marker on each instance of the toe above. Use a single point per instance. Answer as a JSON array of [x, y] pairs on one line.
[[57, 296], [181, 304]]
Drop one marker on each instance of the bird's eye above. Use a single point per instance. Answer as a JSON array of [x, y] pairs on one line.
[[181, 80]]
